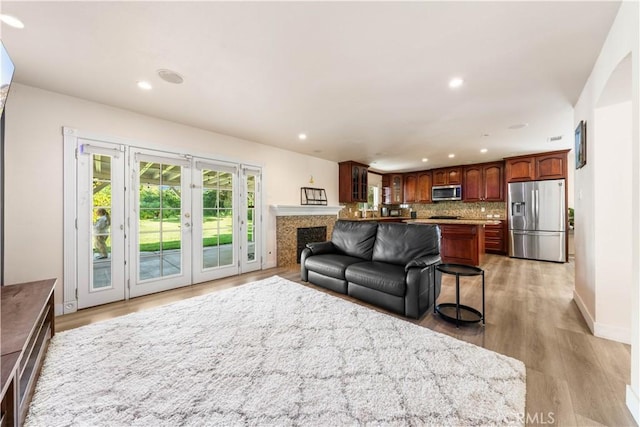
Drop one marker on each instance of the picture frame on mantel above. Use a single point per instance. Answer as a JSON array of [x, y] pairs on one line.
[[581, 144]]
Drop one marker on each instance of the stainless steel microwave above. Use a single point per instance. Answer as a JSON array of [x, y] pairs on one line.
[[446, 192]]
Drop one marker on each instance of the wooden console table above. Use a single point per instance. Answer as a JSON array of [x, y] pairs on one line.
[[26, 326]]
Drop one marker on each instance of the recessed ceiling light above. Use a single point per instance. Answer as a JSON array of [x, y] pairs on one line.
[[483, 150], [302, 136], [170, 76], [144, 85], [11, 21], [451, 156], [519, 126], [425, 159], [455, 82]]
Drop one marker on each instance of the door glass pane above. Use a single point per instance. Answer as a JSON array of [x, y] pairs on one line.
[[251, 208], [159, 230], [101, 216], [217, 219]]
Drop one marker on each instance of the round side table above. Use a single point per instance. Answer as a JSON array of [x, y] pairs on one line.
[[455, 312]]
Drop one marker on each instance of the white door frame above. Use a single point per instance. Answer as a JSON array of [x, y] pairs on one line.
[[90, 295], [71, 142], [71, 137]]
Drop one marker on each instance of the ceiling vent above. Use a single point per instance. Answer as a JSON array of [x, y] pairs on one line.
[[170, 76], [555, 138]]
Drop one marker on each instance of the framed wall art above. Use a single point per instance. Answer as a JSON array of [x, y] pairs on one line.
[[581, 144]]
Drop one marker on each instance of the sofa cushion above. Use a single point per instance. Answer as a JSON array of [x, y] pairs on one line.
[[332, 265], [383, 277], [354, 238], [400, 243]]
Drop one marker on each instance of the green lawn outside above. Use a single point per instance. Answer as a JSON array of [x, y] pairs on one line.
[[148, 234]]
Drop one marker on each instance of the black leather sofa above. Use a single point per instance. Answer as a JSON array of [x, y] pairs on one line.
[[386, 264]]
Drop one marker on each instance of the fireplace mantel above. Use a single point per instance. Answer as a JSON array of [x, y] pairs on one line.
[[307, 210]]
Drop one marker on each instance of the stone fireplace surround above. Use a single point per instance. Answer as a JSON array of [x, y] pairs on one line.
[[290, 218]]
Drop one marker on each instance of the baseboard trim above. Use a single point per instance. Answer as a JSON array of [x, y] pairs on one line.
[[633, 403], [615, 333], [583, 309]]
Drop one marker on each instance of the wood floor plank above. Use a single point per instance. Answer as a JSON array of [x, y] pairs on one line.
[[530, 316], [594, 393], [548, 401]]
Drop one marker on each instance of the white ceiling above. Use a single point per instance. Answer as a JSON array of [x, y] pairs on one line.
[[367, 81]]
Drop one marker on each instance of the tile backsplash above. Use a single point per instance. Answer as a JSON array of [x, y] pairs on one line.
[[461, 209]]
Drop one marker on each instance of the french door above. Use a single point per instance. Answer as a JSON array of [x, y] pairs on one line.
[[160, 223], [100, 223], [145, 221], [227, 210], [250, 223], [215, 222]]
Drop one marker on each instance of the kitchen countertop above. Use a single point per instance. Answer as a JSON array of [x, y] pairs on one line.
[[467, 221], [380, 218], [493, 221]]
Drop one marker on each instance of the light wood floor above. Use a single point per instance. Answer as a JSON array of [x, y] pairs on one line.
[[573, 378]]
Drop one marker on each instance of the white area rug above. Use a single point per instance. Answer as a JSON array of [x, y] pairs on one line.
[[271, 352]]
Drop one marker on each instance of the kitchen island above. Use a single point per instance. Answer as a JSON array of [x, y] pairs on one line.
[[462, 239]]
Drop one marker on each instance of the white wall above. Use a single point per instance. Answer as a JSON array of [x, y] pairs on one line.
[[34, 171], [611, 133], [623, 38]]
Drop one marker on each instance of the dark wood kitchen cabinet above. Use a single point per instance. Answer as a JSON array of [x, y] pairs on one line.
[[495, 238], [550, 165], [423, 192], [352, 182], [417, 187], [447, 176], [462, 243], [410, 187], [483, 182], [392, 189]]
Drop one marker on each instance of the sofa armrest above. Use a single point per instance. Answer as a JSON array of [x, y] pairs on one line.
[[315, 248], [423, 262], [423, 287], [319, 248]]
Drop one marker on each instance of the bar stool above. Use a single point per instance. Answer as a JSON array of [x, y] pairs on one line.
[[455, 312]]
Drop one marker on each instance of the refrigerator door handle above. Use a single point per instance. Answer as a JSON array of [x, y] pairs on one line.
[[537, 208], [534, 219]]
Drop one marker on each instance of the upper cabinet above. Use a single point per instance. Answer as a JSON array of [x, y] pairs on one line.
[[520, 169], [483, 182], [352, 182], [417, 187], [552, 165], [423, 193], [410, 185], [447, 176], [392, 189]]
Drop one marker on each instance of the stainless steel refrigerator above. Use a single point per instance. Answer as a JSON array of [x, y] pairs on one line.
[[537, 220]]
